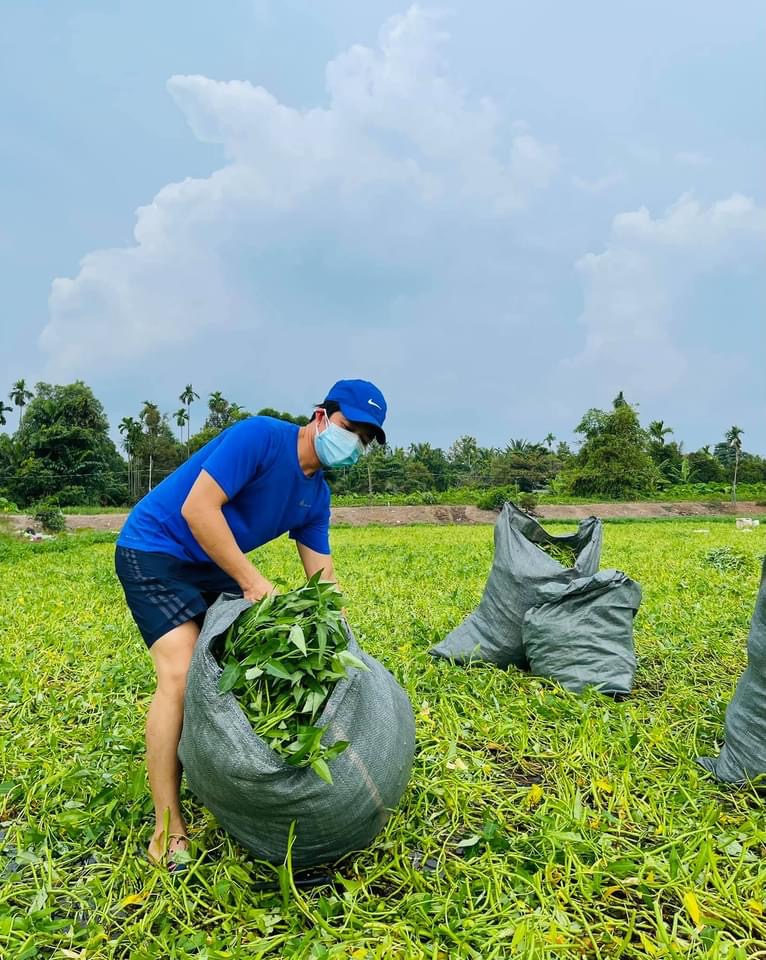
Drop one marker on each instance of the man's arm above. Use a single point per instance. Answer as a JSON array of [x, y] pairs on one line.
[[202, 511], [313, 561]]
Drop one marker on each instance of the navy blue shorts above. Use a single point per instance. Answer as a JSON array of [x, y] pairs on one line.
[[163, 592]]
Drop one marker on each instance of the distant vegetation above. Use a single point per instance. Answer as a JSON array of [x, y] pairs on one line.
[[60, 453]]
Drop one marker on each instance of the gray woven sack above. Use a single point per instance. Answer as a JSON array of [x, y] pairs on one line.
[[520, 569], [255, 795], [581, 633], [743, 756]]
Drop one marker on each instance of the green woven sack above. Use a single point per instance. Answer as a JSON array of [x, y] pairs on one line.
[[255, 795]]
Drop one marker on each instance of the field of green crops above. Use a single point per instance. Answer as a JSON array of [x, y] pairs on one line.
[[537, 824]]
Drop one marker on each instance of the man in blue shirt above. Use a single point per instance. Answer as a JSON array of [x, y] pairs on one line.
[[185, 542]]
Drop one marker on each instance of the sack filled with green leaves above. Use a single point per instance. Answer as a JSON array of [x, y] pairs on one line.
[[581, 633], [527, 561], [287, 720], [282, 658]]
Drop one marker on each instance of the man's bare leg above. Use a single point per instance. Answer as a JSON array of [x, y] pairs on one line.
[[171, 654]]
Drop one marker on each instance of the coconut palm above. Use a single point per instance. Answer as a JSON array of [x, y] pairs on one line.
[[519, 446], [20, 395], [549, 440], [658, 431], [3, 410], [187, 397], [733, 437]]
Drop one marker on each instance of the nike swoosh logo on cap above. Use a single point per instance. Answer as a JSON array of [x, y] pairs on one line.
[[373, 404]]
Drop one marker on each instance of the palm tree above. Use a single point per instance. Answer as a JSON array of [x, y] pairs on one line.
[[20, 395], [549, 439], [218, 406], [216, 402], [151, 418], [187, 397], [658, 431], [733, 437], [3, 411], [519, 446], [181, 417], [132, 433]]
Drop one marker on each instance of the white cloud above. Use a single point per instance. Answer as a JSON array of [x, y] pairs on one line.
[[362, 192], [634, 291]]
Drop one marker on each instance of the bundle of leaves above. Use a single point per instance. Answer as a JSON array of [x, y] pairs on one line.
[[565, 554], [282, 658], [726, 558]]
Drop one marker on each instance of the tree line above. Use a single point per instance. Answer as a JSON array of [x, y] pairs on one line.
[[60, 450]]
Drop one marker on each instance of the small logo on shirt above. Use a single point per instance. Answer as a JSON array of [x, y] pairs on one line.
[[373, 404], [304, 504]]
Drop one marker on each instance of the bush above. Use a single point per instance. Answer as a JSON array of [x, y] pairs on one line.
[[49, 515], [528, 502], [8, 506], [495, 497]]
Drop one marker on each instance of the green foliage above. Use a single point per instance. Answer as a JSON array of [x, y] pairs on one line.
[[495, 497], [282, 658], [528, 502], [8, 506], [561, 552], [50, 515], [63, 449], [615, 837], [71, 457], [614, 459], [726, 558], [300, 420]]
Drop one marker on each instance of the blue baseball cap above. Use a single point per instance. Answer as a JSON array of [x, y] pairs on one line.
[[361, 401]]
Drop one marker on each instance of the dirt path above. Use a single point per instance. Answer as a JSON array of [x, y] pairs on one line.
[[397, 516]]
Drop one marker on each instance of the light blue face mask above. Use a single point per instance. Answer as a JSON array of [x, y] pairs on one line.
[[337, 447]]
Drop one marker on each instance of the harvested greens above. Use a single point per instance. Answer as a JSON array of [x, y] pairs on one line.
[[565, 554], [281, 658]]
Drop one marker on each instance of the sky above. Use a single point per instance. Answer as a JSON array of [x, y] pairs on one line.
[[502, 213]]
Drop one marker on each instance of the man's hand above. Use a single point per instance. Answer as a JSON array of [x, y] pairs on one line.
[[257, 588]]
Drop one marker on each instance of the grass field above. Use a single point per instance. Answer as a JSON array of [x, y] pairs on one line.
[[537, 824]]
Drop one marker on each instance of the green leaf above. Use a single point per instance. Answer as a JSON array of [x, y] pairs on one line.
[[230, 678], [297, 639], [275, 669], [321, 769], [349, 660], [336, 749]]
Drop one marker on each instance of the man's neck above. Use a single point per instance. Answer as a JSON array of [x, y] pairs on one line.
[[307, 455]]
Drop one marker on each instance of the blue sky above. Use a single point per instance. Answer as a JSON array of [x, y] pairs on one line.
[[503, 213]]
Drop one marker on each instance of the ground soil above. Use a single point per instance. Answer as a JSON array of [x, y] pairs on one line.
[[397, 516]]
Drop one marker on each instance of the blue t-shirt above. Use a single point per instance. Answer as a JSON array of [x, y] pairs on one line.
[[255, 462]]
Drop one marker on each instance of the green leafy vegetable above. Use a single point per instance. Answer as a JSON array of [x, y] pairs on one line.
[[282, 658], [565, 554]]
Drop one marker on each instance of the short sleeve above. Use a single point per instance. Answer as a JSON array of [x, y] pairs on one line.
[[315, 533], [240, 455]]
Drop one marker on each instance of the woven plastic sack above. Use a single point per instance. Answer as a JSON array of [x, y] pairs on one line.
[[581, 633], [743, 756], [520, 570], [255, 795]]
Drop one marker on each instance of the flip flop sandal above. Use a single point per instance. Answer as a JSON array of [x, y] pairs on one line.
[[168, 860]]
